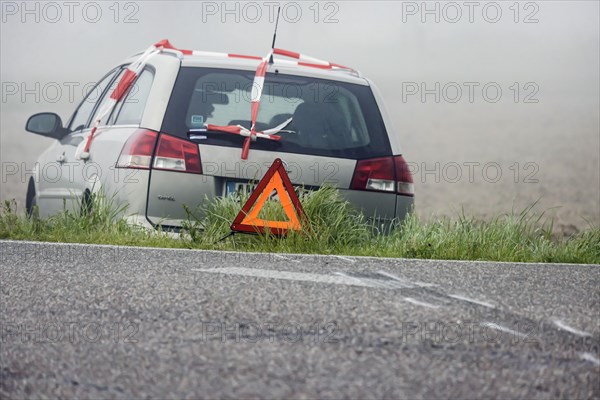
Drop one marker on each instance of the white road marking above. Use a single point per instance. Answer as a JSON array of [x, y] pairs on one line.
[[367, 281], [339, 278], [503, 329], [396, 285], [567, 328], [404, 282], [290, 276], [420, 303], [346, 259], [353, 278], [469, 300], [591, 358], [284, 258]]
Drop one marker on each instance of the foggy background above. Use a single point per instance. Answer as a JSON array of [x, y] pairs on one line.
[[541, 135]]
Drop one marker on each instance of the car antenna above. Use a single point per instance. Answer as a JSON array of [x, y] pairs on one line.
[[274, 35]]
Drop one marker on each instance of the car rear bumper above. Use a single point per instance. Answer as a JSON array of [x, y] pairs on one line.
[[171, 193]]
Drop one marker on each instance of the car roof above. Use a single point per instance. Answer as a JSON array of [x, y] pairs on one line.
[[282, 66]]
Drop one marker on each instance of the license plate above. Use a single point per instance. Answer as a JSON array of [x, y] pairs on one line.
[[241, 188], [245, 188]]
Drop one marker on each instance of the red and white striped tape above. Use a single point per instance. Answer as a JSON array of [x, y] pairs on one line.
[[165, 44], [133, 70], [308, 61], [251, 134], [130, 74]]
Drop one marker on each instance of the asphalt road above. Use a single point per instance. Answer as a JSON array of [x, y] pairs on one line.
[[114, 322]]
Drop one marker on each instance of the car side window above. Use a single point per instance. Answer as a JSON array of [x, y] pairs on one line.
[[105, 98], [80, 118], [134, 103]]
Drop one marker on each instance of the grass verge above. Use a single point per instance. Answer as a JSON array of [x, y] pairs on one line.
[[335, 228]]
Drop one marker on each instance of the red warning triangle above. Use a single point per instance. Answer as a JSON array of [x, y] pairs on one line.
[[275, 179]]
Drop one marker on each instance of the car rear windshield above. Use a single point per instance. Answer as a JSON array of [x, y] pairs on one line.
[[328, 118]]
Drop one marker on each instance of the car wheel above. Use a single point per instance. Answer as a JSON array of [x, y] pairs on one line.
[[30, 199]]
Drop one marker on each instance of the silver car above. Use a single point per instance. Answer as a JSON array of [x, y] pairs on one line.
[[156, 153]]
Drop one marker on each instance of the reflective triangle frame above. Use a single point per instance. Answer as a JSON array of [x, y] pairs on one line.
[[247, 220]]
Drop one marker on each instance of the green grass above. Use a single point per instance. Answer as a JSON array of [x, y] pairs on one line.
[[334, 228]]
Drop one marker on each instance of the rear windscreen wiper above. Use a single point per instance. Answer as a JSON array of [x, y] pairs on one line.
[[200, 133], [270, 134]]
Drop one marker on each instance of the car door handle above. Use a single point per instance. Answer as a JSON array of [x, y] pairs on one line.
[[61, 158]]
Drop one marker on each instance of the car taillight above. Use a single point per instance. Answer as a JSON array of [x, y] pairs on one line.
[[386, 174], [374, 174], [137, 152], [176, 154], [404, 180], [171, 154]]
